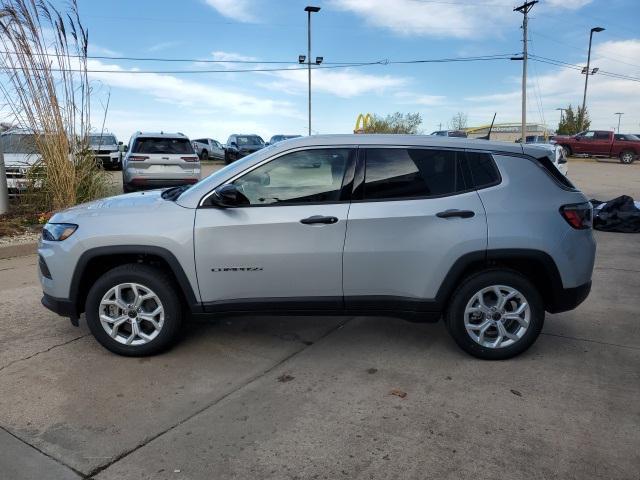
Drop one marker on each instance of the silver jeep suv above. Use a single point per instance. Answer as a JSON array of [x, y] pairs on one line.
[[487, 235]]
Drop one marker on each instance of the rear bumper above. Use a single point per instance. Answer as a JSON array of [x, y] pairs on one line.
[[142, 182], [569, 298]]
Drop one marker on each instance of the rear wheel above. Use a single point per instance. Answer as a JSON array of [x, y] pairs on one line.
[[204, 155], [133, 310], [627, 157], [495, 314]]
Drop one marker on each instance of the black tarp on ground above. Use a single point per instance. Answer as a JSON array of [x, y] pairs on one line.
[[618, 215]]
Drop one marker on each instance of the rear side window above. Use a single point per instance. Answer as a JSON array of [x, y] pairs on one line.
[[403, 173], [484, 172], [162, 145]]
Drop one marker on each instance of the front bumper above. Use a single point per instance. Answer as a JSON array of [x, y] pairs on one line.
[[61, 306], [569, 298]]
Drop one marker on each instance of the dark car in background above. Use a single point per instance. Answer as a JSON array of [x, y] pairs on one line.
[[450, 133], [241, 145], [279, 138]]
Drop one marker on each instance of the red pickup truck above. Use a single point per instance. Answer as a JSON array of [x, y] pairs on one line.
[[601, 143]]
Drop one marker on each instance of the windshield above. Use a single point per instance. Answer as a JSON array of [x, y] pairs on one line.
[[162, 145], [18, 143], [102, 140], [249, 140]]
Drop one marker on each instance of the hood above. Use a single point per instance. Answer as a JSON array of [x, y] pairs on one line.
[[133, 203], [20, 159]]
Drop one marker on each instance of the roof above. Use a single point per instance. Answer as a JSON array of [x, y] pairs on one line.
[[160, 134], [389, 139]]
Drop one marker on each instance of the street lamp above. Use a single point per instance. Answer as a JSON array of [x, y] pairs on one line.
[[619, 116], [587, 73], [309, 9]]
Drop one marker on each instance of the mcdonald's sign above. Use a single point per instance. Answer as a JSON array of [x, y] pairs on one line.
[[362, 122]]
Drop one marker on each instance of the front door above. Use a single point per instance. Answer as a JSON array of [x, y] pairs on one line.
[[284, 250], [415, 216]]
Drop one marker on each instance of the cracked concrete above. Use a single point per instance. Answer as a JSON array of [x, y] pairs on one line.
[[217, 405]]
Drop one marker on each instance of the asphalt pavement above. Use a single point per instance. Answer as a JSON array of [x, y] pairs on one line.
[[326, 397]]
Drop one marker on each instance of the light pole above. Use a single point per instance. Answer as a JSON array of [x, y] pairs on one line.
[[586, 78], [619, 116], [309, 9]]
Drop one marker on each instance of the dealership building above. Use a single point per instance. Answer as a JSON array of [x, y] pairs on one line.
[[507, 132]]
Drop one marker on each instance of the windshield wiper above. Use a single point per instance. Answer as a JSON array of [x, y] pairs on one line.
[[174, 193]]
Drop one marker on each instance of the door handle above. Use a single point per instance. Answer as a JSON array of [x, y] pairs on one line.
[[455, 213], [319, 219]]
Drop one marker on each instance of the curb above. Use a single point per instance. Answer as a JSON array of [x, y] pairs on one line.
[[19, 250]]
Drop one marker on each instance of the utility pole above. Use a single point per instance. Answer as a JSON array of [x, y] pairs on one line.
[[619, 116], [524, 9], [587, 72]]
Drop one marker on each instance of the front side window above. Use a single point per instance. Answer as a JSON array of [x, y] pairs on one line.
[[411, 173], [588, 135], [306, 176], [151, 145]]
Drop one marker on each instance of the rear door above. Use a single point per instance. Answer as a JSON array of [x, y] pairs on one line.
[[284, 250], [413, 215], [602, 143]]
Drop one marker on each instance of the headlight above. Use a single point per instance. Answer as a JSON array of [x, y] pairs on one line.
[[56, 232]]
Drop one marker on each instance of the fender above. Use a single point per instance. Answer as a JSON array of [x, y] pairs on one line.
[[482, 259], [178, 272]]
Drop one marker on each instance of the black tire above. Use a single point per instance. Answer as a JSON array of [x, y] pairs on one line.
[[126, 188], [567, 151], [454, 316], [227, 158], [204, 155], [151, 278], [627, 157]]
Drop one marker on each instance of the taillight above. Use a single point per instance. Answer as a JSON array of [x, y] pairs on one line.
[[138, 158], [578, 215], [189, 159]]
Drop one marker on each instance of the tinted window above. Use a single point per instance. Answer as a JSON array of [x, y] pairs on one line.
[[19, 143], [162, 145], [601, 136], [307, 176], [483, 170], [102, 140], [249, 140], [410, 173]]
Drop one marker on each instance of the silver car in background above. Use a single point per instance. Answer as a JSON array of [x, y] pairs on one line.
[[208, 148], [156, 160]]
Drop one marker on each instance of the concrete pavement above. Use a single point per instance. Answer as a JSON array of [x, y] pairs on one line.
[[311, 397]]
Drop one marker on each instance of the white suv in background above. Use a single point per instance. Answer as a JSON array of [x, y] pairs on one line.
[[156, 160]]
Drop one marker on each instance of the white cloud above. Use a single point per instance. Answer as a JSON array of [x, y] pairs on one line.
[[442, 19], [563, 86], [419, 99], [240, 10], [343, 83], [98, 50], [162, 46], [231, 57], [567, 4], [189, 93]]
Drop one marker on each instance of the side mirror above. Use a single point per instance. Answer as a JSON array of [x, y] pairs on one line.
[[228, 196], [266, 144], [119, 143]]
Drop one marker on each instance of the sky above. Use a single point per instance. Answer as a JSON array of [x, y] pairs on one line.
[[353, 31]]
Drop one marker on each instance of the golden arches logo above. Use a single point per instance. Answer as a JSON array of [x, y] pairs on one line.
[[362, 122]]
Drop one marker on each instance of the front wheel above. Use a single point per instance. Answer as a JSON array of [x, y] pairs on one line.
[[495, 314], [133, 310], [627, 157], [567, 151]]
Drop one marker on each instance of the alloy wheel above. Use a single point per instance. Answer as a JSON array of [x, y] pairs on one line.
[[131, 314], [497, 316]]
